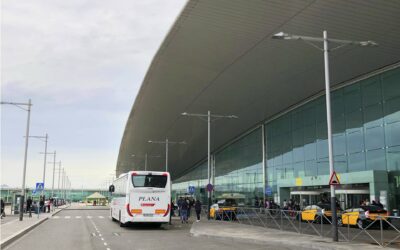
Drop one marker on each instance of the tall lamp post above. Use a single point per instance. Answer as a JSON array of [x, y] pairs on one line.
[[325, 49], [210, 117], [21, 106], [54, 171], [167, 142], [46, 138], [146, 156]]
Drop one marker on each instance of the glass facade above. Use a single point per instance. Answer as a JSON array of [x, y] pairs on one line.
[[366, 136]]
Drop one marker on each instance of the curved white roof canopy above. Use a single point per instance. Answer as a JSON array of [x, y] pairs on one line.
[[219, 56]]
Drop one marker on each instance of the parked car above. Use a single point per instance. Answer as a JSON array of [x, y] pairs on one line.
[[224, 210], [363, 216], [314, 213]]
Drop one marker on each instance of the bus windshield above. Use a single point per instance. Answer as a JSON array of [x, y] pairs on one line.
[[156, 181]]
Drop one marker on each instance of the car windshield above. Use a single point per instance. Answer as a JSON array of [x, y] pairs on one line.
[[157, 181]]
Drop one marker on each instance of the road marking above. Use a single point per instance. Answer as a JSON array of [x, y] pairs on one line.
[[101, 217], [108, 248], [56, 217], [105, 243], [89, 217], [102, 239], [78, 217], [67, 217], [116, 234], [100, 235], [93, 234]]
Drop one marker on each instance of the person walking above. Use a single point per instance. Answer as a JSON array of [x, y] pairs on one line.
[[41, 204], [29, 206], [197, 208], [3, 214], [184, 210]]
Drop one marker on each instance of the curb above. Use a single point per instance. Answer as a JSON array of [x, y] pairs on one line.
[[24, 231]]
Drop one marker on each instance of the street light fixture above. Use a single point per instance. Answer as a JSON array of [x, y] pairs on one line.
[[325, 49], [21, 106], [209, 118], [145, 159], [166, 142]]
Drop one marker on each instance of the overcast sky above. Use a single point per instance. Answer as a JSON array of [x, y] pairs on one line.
[[82, 63]]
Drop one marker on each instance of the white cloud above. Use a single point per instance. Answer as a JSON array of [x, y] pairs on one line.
[[82, 63]]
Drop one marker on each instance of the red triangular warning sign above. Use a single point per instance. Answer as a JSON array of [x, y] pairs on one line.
[[334, 180]]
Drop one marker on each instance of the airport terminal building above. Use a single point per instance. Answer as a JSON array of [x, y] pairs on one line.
[[219, 57]]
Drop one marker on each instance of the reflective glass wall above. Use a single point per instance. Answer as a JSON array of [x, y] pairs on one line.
[[197, 178], [239, 171], [366, 134]]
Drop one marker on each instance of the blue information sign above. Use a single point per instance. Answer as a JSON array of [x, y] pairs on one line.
[[268, 190], [39, 187], [191, 189]]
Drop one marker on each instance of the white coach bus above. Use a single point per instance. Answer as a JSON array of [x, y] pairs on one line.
[[141, 197]]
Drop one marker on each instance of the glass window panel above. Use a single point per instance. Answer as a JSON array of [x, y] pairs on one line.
[[354, 120], [391, 84], [340, 163], [355, 141], [373, 115], [393, 158], [310, 133], [323, 166], [311, 168], [309, 113], [298, 154], [392, 110], [310, 151], [339, 144], [338, 124], [287, 157], [322, 149], [376, 159], [337, 103], [356, 162], [299, 169], [374, 138], [298, 137], [322, 130], [352, 97], [321, 110], [371, 91], [392, 134], [297, 119]]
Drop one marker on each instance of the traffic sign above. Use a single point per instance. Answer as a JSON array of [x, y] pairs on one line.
[[334, 180], [191, 189], [268, 190], [39, 187], [210, 187]]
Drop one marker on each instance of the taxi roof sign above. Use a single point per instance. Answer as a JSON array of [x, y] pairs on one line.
[[334, 180]]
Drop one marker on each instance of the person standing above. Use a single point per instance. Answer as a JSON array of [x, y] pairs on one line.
[[197, 208], [41, 204], [29, 206], [3, 214], [184, 210]]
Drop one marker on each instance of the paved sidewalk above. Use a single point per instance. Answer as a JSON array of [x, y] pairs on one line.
[[14, 228], [272, 238]]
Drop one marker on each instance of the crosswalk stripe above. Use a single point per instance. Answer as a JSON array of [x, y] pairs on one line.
[[67, 217], [56, 217], [89, 217], [101, 217], [78, 217]]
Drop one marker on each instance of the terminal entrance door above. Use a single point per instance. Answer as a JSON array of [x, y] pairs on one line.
[[305, 198]]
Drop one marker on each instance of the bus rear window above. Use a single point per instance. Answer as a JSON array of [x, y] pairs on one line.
[[156, 181]]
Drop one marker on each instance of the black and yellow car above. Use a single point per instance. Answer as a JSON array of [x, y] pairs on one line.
[[363, 216], [224, 210], [314, 213]]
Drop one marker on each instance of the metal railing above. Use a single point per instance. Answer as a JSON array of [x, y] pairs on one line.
[[378, 230]]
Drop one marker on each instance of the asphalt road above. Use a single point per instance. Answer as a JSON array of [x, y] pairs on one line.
[[93, 229]]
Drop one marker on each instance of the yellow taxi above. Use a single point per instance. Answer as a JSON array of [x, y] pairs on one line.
[[224, 210], [363, 216], [314, 213]]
